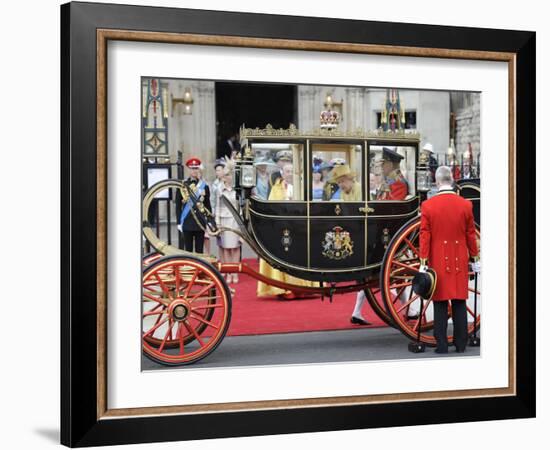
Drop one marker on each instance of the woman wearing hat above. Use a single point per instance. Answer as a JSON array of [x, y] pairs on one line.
[[262, 178], [349, 190], [229, 243]]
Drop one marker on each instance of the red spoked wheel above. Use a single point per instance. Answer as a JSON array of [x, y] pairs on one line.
[[186, 310], [171, 342], [401, 262], [374, 297]]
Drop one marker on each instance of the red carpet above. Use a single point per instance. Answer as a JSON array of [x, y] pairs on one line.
[[253, 315]]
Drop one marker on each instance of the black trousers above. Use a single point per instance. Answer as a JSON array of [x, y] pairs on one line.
[[460, 324], [193, 237]]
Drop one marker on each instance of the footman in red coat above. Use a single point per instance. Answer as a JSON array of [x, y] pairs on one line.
[[447, 242]]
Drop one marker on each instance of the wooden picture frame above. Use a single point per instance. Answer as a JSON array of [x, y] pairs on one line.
[[85, 416]]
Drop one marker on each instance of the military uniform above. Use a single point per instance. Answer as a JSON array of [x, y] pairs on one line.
[[193, 234], [394, 187]]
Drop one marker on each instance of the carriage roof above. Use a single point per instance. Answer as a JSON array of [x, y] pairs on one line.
[[293, 132]]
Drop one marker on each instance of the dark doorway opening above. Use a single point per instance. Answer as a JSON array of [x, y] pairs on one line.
[[252, 104]]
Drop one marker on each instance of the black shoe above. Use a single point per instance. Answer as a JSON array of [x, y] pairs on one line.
[[358, 321], [460, 350], [441, 350], [413, 317]]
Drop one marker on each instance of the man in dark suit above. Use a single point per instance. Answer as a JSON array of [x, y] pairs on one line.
[[447, 241], [230, 147], [193, 234]]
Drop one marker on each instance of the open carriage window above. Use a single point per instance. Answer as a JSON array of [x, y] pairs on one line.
[[279, 171], [391, 172], [336, 173]]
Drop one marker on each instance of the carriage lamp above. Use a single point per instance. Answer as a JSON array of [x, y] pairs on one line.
[[248, 172], [248, 176]]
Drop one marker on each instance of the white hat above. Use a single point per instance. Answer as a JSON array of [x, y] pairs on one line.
[[429, 147]]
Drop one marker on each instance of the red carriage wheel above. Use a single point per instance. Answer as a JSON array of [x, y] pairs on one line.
[[155, 309], [401, 262], [186, 310], [374, 297]]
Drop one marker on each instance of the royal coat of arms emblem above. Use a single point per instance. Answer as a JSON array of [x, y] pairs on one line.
[[337, 244]]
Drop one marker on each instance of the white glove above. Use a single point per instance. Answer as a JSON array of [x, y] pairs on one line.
[[476, 267], [423, 269]]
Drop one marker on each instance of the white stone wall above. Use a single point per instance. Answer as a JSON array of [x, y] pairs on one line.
[[468, 125], [195, 134]]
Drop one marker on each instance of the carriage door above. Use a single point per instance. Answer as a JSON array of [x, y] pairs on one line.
[[337, 238]]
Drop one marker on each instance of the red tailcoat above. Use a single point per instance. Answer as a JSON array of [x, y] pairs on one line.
[[447, 240]]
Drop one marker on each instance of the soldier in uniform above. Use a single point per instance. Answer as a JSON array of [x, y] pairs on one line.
[[193, 234], [447, 241], [394, 185]]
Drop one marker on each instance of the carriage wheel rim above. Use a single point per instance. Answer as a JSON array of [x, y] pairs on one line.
[[180, 321], [402, 325]]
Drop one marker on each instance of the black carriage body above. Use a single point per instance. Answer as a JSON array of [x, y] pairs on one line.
[[293, 235]]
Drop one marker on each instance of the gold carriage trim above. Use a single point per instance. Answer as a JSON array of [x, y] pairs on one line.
[[294, 132]]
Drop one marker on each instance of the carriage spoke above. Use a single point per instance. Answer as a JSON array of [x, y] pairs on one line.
[[398, 295], [192, 331], [156, 326], [168, 333], [156, 299], [163, 286], [203, 320], [177, 276], [411, 246], [395, 286], [406, 266], [202, 291], [179, 336], [153, 312], [216, 305], [407, 303], [191, 283]]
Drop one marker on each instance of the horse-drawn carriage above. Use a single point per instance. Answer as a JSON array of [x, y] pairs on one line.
[[337, 244]]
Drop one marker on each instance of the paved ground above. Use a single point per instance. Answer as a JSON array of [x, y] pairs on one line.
[[369, 344]]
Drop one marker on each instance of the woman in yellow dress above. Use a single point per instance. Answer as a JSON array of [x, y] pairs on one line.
[[281, 190]]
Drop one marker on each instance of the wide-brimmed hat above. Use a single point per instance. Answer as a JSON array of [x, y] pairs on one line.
[[391, 155], [424, 283], [264, 162], [284, 155], [341, 171], [428, 147]]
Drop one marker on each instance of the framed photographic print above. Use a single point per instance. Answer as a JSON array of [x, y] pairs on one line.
[[330, 184]]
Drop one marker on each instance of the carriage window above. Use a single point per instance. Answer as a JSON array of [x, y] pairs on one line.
[[391, 172], [336, 173], [279, 171]]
